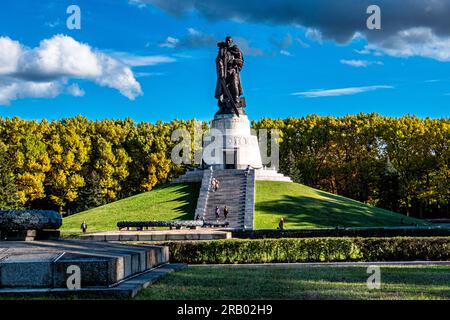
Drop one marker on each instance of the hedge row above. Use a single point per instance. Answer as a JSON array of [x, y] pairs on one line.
[[343, 232], [310, 250], [147, 224]]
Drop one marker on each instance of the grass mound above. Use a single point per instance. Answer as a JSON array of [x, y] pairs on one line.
[[305, 207], [167, 202], [301, 206]]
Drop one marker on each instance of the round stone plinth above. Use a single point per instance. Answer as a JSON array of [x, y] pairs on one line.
[[234, 145]]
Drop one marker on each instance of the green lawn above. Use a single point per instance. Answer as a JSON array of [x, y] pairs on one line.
[[305, 207], [168, 202], [301, 206], [322, 282]]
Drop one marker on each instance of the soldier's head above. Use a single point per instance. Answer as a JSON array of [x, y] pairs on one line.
[[229, 41]]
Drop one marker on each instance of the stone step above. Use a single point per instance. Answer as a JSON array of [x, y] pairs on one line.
[[231, 200], [44, 264], [228, 191], [126, 289], [232, 192], [234, 210]]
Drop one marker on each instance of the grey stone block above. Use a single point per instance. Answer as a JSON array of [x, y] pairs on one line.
[[135, 263], [32, 274], [144, 237], [206, 236], [127, 265], [97, 238], [112, 237], [152, 259], [94, 272], [128, 237], [176, 236]]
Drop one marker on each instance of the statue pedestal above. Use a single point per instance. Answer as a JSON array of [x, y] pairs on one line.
[[230, 144]]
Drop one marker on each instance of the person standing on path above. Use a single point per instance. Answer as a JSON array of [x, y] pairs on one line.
[[84, 227], [281, 224]]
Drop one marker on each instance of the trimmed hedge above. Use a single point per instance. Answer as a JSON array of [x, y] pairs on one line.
[[343, 232], [147, 224], [309, 250]]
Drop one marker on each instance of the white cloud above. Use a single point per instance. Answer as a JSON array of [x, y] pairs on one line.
[[360, 63], [433, 80], [138, 3], [363, 51], [417, 41], [44, 71], [53, 24], [60, 56], [19, 89], [285, 53], [247, 48], [10, 51], [194, 32], [141, 61], [314, 35], [339, 92], [171, 42], [302, 43], [194, 39], [148, 74], [75, 90], [419, 29]]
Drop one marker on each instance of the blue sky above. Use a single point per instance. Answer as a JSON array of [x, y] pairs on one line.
[[160, 59]]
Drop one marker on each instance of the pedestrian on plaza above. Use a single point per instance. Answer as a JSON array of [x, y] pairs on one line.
[[281, 224], [84, 226]]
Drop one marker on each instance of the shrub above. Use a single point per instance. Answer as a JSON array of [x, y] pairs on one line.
[[309, 250], [343, 232]]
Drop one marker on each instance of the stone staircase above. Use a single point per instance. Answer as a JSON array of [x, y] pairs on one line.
[[236, 191]]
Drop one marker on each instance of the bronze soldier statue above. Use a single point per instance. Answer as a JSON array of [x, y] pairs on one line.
[[229, 63]]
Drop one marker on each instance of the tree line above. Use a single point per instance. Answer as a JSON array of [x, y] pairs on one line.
[[401, 164], [75, 164]]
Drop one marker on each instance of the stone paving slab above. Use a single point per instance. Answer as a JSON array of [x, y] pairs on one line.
[[157, 235]]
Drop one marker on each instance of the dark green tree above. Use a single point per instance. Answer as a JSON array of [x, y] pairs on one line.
[[90, 195], [8, 187], [389, 188]]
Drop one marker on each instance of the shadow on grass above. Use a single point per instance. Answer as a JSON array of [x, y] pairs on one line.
[[299, 283], [189, 193], [328, 211]]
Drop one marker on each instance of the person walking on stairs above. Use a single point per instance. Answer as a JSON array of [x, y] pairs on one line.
[[225, 212], [247, 171], [217, 185], [213, 184], [217, 213]]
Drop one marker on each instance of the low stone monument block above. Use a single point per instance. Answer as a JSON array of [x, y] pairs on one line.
[[44, 264]]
